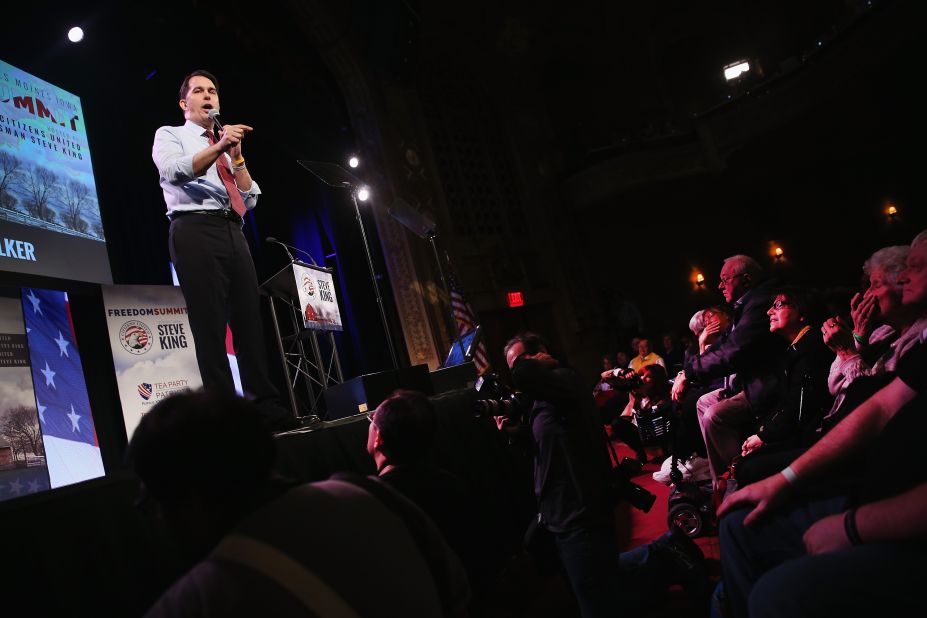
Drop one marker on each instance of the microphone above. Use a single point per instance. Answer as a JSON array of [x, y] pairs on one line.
[[214, 116], [287, 248]]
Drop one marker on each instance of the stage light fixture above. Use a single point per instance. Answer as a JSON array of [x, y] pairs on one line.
[[699, 279], [363, 194], [891, 211], [353, 161], [736, 70], [778, 253], [76, 34]]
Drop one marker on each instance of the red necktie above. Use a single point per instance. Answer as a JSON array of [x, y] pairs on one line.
[[238, 204]]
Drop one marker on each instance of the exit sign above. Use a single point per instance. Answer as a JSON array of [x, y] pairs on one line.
[[516, 299]]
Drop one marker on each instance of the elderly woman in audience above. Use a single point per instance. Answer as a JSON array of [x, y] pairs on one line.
[[804, 396], [882, 324], [848, 366], [803, 389], [717, 322], [709, 326]]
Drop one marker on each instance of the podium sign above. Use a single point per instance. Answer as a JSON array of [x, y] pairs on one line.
[[317, 301], [309, 295]]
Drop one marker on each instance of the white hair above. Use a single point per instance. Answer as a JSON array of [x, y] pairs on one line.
[[697, 322], [922, 237], [744, 264], [890, 260]]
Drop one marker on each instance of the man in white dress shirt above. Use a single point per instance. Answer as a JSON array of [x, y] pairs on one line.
[[208, 190]]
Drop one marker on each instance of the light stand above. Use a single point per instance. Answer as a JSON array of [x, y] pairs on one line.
[[338, 177], [427, 229]]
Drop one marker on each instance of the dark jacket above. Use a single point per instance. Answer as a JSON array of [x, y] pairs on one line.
[[571, 464], [750, 351], [803, 394]]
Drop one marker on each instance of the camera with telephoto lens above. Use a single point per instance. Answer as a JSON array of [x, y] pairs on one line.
[[626, 380], [498, 399]]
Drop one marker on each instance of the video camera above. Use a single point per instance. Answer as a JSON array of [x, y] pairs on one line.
[[499, 399], [626, 380]]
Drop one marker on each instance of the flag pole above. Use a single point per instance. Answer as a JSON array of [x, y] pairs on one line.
[[455, 328]]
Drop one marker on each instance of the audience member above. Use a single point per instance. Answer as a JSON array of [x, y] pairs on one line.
[[622, 358], [881, 322], [747, 358], [269, 547], [892, 327], [651, 398], [847, 368], [400, 439], [709, 327], [803, 396], [645, 356], [848, 364], [608, 364]]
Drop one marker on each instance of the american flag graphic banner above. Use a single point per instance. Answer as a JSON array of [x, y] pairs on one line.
[[71, 447], [466, 321], [23, 469]]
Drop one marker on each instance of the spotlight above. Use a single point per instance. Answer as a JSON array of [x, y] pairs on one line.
[[76, 34], [891, 211], [353, 161], [735, 70], [363, 193], [778, 252], [699, 279]]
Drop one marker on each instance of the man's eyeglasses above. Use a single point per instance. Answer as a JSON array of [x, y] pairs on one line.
[[369, 414], [779, 304], [727, 280]]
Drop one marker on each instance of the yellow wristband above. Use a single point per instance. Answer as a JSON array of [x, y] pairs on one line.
[[240, 162]]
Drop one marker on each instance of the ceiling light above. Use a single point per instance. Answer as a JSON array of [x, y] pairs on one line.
[[735, 70]]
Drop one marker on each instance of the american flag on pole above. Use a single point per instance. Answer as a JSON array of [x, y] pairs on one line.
[[466, 322], [71, 447]]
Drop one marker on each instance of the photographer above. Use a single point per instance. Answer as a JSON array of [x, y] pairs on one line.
[[571, 484], [649, 395]]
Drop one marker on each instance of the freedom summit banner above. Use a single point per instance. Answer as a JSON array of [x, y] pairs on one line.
[[153, 351]]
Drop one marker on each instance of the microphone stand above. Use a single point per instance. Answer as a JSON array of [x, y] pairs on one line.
[[287, 248]]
